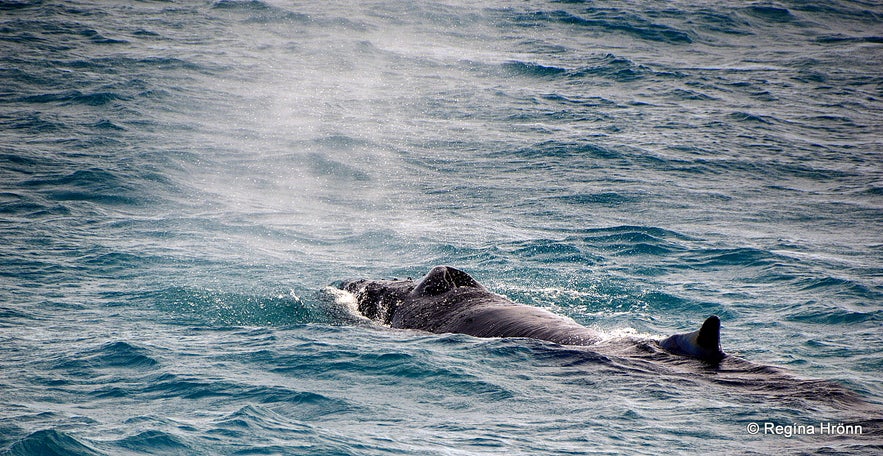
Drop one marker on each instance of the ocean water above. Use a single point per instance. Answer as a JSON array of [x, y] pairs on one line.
[[182, 182]]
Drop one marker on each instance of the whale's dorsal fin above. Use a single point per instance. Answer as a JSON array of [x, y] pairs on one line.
[[703, 344], [442, 279], [709, 337]]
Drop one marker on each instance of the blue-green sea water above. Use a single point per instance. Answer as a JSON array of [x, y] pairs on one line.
[[181, 182]]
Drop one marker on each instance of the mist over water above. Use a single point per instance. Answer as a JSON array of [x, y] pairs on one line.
[[181, 182]]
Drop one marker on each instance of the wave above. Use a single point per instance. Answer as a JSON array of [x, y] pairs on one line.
[[837, 317], [96, 185], [608, 199], [608, 66], [629, 240], [840, 38], [532, 69], [549, 251], [50, 442], [74, 97], [156, 442], [118, 355], [769, 13], [307, 404], [714, 258], [558, 149], [200, 306], [604, 20], [261, 12], [746, 117], [616, 68]]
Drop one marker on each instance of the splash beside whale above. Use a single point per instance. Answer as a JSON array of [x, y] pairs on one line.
[[448, 300]]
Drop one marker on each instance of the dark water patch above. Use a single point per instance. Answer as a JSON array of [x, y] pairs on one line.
[[579, 100], [632, 232], [722, 22], [110, 200], [872, 190], [13, 317], [242, 5], [389, 368], [640, 249], [105, 124], [120, 355], [839, 38], [122, 64], [75, 97], [170, 386], [17, 5], [145, 32], [156, 442], [834, 316], [114, 356], [260, 418], [608, 199], [563, 150], [92, 184], [24, 164], [550, 251], [33, 210], [237, 433], [763, 95], [278, 416], [98, 38], [613, 67], [32, 123], [16, 79], [611, 20], [111, 392], [189, 387], [9, 434], [746, 117], [308, 404], [831, 123], [774, 170], [811, 76], [666, 303], [116, 264], [302, 404], [532, 69], [688, 95], [770, 13], [860, 11], [714, 258], [50, 442], [331, 365], [627, 237], [840, 286]]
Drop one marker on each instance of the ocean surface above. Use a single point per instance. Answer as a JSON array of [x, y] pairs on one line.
[[182, 184]]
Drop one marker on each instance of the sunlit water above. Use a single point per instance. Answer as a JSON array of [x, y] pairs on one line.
[[181, 182]]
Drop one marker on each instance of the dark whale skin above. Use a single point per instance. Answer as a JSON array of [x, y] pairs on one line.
[[448, 300]]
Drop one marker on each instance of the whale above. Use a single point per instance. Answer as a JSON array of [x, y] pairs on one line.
[[449, 300]]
